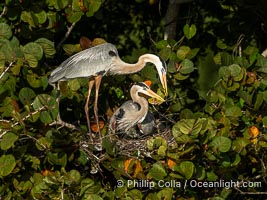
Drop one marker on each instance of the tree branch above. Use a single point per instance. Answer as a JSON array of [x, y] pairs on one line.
[[171, 18], [66, 35], [23, 119], [3, 12], [1, 76]]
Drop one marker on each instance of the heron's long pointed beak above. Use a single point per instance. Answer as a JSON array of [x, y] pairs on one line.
[[152, 94], [164, 84]]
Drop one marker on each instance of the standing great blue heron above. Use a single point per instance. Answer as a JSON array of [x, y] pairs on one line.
[[98, 61], [132, 112]]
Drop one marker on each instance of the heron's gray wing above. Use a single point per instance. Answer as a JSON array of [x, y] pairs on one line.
[[122, 113], [87, 63]]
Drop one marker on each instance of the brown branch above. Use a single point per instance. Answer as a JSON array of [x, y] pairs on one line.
[[23, 119], [63, 124], [66, 35]]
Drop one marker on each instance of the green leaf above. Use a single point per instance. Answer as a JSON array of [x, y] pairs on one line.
[[187, 169], [157, 172], [189, 126], [259, 101], [162, 44], [73, 16], [162, 151], [135, 194], [211, 176], [165, 53], [189, 31], [49, 107], [264, 121], [182, 52], [43, 143], [26, 96], [34, 80], [74, 84], [221, 143], [7, 164], [73, 177], [93, 7], [33, 49], [187, 66], [179, 76], [27, 17], [8, 140], [235, 70], [5, 31], [57, 158], [39, 17], [71, 49], [224, 73], [166, 193], [233, 111], [221, 44], [48, 47]]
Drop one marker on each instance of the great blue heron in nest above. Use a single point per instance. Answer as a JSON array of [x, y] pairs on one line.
[[134, 113]]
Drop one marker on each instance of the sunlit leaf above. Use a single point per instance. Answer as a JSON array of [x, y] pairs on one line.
[[233, 111], [73, 16], [189, 31], [187, 168], [93, 7], [157, 172], [221, 143], [162, 44], [183, 52], [71, 49], [7, 164], [8, 140], [47, 45], [34, 49], [189, 126]]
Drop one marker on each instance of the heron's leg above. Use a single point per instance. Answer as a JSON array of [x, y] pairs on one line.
[[90, 86], [97, 85]]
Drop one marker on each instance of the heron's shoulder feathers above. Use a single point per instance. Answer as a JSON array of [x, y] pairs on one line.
[[87, 63]]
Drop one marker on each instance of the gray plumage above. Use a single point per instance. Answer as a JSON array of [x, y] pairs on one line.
[[146, 127], [87, 63], [133, 114]]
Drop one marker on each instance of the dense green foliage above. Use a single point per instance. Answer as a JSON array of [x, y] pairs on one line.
[[212, 127]]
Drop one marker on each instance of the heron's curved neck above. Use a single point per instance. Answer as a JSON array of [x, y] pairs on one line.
[[121, 67], [141, 113]]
